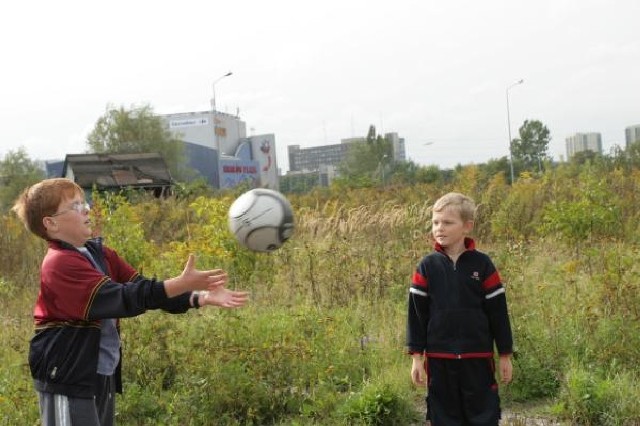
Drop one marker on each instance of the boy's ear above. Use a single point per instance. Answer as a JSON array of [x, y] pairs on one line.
[[468, 226], [49, 222]]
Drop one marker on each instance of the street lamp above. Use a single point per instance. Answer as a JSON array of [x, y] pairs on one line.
[[213, 85], [381, 164], [215, 126], [509, 128]]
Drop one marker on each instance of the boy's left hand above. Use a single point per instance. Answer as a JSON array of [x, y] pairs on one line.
[[506, 369], [223, 297]]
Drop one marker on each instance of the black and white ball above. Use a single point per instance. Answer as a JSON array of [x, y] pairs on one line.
[[261, 219]]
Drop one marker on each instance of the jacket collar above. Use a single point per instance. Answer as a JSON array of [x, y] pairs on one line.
[[469, 245], [59, 244]]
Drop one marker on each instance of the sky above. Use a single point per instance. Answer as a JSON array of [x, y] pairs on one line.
[[313, 73]]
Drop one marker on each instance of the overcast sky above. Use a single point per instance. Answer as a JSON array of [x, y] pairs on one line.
[[312, 73]]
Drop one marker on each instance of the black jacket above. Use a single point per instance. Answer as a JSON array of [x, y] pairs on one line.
[[458, 310]]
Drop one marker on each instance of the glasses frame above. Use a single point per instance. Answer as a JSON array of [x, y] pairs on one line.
[[78, 207]]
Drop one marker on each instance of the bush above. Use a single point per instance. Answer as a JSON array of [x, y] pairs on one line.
[[378, 404], [588, 398], [250, 367]]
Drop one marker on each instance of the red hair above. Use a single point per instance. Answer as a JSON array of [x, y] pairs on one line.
[[43, 199]]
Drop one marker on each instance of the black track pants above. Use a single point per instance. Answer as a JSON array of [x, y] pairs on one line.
[[462, 392]]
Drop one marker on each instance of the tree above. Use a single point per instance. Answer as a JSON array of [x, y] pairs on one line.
[[17, 172], [633, 153], [368, 161], [493, 167], [299, 184], [136, 130], [583, 157], [403, 172], [531, 149], [429, 174]]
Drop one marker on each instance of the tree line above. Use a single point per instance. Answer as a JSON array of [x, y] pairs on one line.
[[138, 129]]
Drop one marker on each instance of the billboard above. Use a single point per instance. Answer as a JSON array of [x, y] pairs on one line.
[[235, 171], [263, 150]]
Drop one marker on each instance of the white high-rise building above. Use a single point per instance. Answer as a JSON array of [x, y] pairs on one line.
[[583, 142], [399, 153], [632, 134]]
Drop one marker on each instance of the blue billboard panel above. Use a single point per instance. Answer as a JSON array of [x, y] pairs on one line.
[[204, 161]]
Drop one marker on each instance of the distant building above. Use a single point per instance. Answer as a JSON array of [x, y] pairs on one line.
[[632, 134], [325, 159], [399, 153], [217, 147], [112, 172], [327, 174], [311, 159], [583, 142]]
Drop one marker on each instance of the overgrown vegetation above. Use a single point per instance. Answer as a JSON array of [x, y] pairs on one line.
[[322, 339]]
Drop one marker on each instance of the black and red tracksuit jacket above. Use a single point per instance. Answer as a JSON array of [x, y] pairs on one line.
[[458, 310], [74, 296]]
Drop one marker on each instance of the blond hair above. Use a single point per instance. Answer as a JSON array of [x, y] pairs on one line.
[[43, 199], [464, 205]]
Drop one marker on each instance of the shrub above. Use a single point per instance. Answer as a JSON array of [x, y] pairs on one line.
[[588, 398], [378, 404], [250, 366]]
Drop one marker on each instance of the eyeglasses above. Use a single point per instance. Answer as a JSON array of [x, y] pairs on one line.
[[79, 207]]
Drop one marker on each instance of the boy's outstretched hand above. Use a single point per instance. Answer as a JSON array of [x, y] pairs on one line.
[[192, 279], [223, 297]]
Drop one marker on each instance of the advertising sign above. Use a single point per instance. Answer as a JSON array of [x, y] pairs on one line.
[[263, 150], [235, 172], [188, 122]]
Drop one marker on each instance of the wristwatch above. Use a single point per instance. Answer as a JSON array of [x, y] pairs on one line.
[[195, 299]]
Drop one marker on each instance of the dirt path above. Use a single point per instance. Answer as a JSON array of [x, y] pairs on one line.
[[520, 420], [511, 419]]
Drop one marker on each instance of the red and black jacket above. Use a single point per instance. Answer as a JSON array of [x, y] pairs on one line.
[[458, 310], [74, 296]]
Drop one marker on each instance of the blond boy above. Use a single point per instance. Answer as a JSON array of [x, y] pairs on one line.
[[457, 313]]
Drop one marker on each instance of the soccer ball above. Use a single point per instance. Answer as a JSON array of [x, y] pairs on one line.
[[261, 219]]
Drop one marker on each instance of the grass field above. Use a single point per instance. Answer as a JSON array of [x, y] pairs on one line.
[[322, 340]]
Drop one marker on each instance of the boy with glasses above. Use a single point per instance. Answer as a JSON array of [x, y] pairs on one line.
[[75, 354]]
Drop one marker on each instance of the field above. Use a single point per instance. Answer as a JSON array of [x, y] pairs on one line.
[[322, 340]]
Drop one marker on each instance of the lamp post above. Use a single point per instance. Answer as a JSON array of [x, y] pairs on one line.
[[381, 164], [213, 85], [215, 125], [509, 128]]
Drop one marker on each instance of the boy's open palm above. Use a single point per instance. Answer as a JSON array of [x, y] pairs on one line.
[[192, 279], [224, 298], [202, 280]]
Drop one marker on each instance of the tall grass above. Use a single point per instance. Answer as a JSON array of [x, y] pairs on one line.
[[322, 339]]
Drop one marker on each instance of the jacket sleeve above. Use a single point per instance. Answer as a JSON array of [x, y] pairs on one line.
[[116, 300], [134, 292], [418, 312], [174, 305], [495, 305], [73, 289]]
